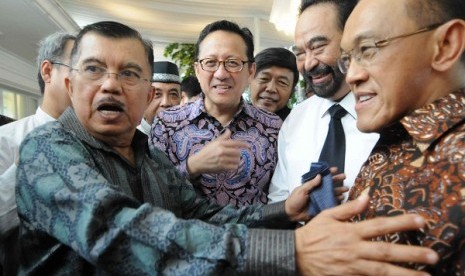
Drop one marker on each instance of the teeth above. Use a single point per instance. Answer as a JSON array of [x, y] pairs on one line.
[[108, 112], [364, 98]]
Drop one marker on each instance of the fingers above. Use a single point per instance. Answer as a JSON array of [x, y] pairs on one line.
[[384, 225], [225, 139], [339, 177], [308, 186], [367, 267], [221, 154], [333, 170], [340, 190], [226, 135], [347, 210], [390, 252], [297, 203]]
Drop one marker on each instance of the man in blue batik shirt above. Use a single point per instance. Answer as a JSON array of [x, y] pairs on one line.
[[93, 200], [225, 146]]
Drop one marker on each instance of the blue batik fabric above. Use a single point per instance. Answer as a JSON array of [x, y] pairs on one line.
[[183, 131], [85, 210]]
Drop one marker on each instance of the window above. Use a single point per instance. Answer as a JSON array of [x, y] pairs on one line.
[[16, 104]]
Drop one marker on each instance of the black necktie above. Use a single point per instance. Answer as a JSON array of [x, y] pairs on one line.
[[334, 149]]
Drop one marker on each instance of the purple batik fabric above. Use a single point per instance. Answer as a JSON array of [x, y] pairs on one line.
[[182, 131]]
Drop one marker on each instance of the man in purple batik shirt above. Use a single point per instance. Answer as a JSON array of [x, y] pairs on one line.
[[225, 146]]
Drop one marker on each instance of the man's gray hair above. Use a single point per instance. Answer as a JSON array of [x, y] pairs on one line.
[[52, 48]]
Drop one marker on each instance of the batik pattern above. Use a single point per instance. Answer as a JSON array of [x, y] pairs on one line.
[[418, 166], [85, 210], [181, 132]]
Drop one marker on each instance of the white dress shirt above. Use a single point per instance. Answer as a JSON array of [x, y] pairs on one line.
[[301, 140], [11, 136], [145, 127]]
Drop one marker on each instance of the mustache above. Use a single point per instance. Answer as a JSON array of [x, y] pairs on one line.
[[109, 101], [321, 69]]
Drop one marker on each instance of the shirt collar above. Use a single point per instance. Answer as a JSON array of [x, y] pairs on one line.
[[198, 108], [427, 124], [71, 122], [348, 103]]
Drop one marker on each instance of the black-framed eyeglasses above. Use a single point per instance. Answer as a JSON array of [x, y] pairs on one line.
[[97, 75], [231, 65], [364, 54], [60, 63]]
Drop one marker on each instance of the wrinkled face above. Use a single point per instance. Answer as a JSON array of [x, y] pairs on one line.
[[109, 108], [271, 88], [166, 95], [223, 90], [393, 82], [317, 39]]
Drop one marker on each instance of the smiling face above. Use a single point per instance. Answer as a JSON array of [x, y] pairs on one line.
[[223, 90], [317, 39], [271, 88], [109, 109], [396, 80]]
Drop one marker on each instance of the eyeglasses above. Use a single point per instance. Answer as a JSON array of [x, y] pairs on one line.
[[59, 63], [230, 65], [365, 53], [97, 74]]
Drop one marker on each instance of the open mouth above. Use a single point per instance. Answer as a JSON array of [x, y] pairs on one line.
[[222, 87], [110, 107]]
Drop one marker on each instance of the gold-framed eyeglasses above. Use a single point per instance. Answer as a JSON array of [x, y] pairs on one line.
[[98, 74], [364, 54], [231, 65]]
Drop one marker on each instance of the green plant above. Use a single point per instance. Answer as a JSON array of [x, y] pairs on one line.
[[183, 54]]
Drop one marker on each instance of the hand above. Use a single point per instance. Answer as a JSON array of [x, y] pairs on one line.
[[338, 179], [221, 154], [339, 193], [297, 203], [152, 110], [328, 245]]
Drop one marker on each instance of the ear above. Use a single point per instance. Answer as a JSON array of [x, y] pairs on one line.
[[252, 68], [196, 69], [450, 44], [150, 95], [46, 68], [183, 97], [69, 87]]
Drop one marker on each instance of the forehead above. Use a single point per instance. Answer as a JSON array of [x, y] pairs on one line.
[[222, 44], [166, 86], [317, 20], [375, 19], [123, 50], [276, 70]]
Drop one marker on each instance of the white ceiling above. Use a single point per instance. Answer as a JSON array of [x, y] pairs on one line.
[[24, 22]]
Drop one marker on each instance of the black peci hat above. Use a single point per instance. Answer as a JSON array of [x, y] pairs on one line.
[[165, 71]]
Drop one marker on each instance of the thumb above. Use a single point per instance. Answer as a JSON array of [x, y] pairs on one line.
[[311, 184], [226, 135], [349, 209]]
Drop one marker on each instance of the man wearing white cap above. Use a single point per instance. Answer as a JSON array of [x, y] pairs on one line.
[[167, 92]]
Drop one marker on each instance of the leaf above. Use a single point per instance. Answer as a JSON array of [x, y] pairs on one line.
[[183, 54]]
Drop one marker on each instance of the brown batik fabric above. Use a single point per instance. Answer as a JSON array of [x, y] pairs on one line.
[[418, 166]]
